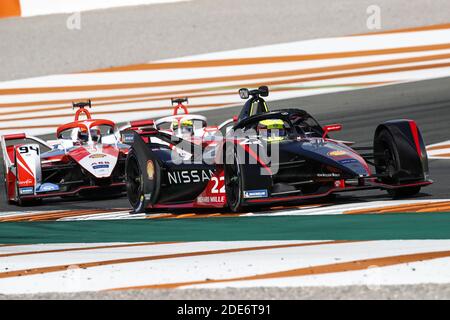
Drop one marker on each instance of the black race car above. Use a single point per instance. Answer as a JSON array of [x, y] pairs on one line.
[[267, 157]]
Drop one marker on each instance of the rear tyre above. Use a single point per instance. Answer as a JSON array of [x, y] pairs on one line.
[[233, 181], [387, 162], [29, 203], [134, 183]]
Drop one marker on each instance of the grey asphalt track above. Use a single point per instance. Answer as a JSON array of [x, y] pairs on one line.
[[360, 111], [44, 45]]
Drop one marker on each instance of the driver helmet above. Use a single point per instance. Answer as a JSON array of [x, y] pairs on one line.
[[272, 130], [83, 135], [95, 134], [186, 126]]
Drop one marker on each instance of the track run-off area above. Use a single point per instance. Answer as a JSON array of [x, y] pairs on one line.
[[354, 239]]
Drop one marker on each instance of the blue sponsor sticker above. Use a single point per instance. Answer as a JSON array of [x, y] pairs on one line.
[[47, 187], [26, 190], [128, 138], [101, 166], [256, 193], [348, 161]]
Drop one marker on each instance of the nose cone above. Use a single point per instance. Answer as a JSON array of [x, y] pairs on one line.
[[99, 161], [357, 166], [333, 154]]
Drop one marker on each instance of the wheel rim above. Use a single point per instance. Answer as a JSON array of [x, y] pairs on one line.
[[134, 182], [390, 162]]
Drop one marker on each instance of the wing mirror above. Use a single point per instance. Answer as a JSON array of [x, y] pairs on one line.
[[244, 93], [330, 128], [264, 91]]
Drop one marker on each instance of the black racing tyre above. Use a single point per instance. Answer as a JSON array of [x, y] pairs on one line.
[[134, 183], [28, 203], [404, 192], [4, 193], [233, 180], [387, 162]]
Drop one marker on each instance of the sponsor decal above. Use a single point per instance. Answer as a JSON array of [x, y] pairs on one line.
[[27, 190], [328, 175], [189, 176], [337, 153], [150, 170], [97, 156], [148, 196], [25, 182], [256, 194], [348, 161], [100, 166], [339, 184], [47, 187], [211, 199], [128, 138]]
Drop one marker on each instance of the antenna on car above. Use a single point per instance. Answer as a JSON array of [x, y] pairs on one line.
[[179, 105], [81, 105]]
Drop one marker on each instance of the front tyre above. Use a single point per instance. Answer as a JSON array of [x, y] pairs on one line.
[[404, 192], [387, 163], [29, 203], [233, 181], [134, 183]]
